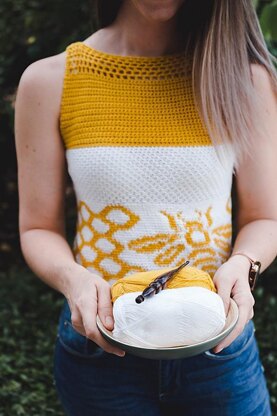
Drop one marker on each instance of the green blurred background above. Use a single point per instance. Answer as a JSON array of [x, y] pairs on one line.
[[31, 30]]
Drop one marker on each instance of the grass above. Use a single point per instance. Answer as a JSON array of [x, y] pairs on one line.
[[29, 316]]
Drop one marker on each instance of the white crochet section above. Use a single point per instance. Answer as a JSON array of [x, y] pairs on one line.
[[190, 175], [143, 208]]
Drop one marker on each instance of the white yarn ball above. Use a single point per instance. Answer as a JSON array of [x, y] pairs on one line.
[[173, 317]]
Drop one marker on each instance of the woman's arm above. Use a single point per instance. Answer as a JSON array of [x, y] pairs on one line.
[[41, 181], [256, 184], [41, 175]]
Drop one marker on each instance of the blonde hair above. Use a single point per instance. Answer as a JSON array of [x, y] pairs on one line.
[[223, 38], [223, 84]]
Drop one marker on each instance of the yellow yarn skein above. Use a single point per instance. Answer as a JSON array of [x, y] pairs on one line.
[[188, 276]]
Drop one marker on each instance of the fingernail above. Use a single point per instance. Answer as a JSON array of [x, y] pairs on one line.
[[109, 321], [120, 354], [220, 349]]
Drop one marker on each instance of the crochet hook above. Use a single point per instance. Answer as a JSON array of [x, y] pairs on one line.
[[159, 283]]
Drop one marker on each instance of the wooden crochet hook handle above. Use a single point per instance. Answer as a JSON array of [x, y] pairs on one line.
[[159, 283]]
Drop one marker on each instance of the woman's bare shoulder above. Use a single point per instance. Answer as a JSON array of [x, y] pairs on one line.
[[43, 79], [261, 79]]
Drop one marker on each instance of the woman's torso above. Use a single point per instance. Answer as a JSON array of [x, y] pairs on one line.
[[150, 189]]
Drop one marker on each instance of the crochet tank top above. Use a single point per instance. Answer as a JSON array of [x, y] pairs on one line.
[[150, 189]]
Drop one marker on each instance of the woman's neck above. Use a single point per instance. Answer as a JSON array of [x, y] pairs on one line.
[[133, 34]]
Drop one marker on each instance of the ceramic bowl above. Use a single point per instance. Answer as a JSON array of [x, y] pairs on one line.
[[183, 351]]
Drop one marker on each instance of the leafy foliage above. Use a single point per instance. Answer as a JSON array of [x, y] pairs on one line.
[[31, 30], [29, 317], [268, 21]]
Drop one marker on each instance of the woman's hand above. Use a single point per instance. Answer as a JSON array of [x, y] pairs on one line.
[[231, 280], [89, 295]]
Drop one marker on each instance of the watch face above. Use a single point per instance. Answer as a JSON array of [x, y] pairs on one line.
[[254, 273]]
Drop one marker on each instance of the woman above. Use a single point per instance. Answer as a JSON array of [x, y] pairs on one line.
[[153, 188]]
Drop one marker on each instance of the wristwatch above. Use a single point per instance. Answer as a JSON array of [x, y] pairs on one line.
[[254, 270]]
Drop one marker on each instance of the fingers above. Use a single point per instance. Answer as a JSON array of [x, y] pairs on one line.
[[245, 302], [77, 322], [242, 321], [224, 289], [83, 317], [104, 308], [93, 333], [228, 285]]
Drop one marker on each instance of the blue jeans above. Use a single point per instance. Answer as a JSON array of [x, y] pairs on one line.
[[92, 382]]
